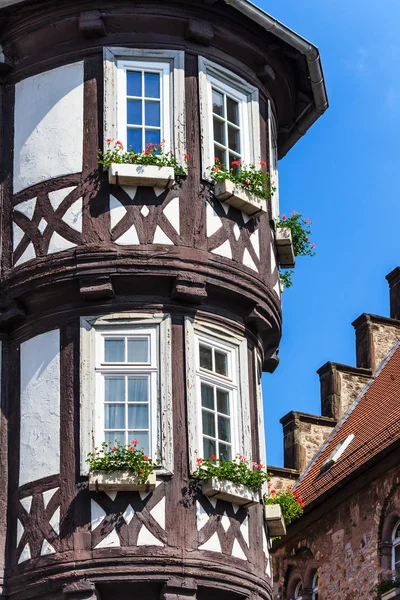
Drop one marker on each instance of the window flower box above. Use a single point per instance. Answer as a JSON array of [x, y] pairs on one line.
[[274, 519], [230, 492], [121, 481], [394, 593], [228, 192], [141, 175], [284, 245]]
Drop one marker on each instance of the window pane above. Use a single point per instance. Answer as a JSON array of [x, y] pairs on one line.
[[143, 438], [138, 389], [397, 555], [219, 131], [207, 396], [208, 423], [397, 532], [205, 357], [135, 140], [224, 429], [152, 85], [152, 114], [111, 436], [138, 350], [114, 350], [232, 108], [134, 112], [209, 447], [152, 137], [138, 416], [114, 416], [233, 139], [218, 103], [225, 452], [220, 154], [223, 402], [221, 363], [134, 83], [114, 390]]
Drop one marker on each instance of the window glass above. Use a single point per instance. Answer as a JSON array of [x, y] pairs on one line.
[[226, 127], [143, 124], [128, 379], [396, 549], [216, 395]]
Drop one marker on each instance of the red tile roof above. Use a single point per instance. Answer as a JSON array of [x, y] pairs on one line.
[[374, 419]]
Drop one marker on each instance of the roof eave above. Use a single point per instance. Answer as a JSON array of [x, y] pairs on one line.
[[311, 53]]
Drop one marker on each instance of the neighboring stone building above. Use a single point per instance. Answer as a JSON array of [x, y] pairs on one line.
[[349, 535], [131, 310]]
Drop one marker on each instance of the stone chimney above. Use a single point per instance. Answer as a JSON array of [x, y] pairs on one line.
[[375, 337], [303, 434], [394, 286], [340, 386]]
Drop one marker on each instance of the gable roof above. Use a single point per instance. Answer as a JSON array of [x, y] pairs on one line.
[[373, 418]]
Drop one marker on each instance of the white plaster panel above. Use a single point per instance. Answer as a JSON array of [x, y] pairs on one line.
[[213, 544], [27, 503], [40, 407], [237, 551], [129, 513], [57, 197], [47, 496], [27, 208], [236, 231], [97, 513], [213, 221], [224, 250], [158, 513], [273, 261], [146, 538], [48, 126], [130, 190], [171, 211], [29, 254], [18, 234], [112, 495], [129, 238], [244, 529], [55, 521], [160, 237], [202, 516], [47, 548], [111, 541], [59, 244], [117, 211], [42, 225], [144, 210], [248, 261], [255, 242], [25, 554], [20, 531], [225, 522], [73, 216]]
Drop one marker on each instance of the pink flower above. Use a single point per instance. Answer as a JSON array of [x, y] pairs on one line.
[[145, 457], [313, 246], [118, 143], [284, 218], [263, 163], [109, 140], [294, 212], [199, 461], [134, 442], [186, 156], [306, 239], [247, 181], [213, 457]]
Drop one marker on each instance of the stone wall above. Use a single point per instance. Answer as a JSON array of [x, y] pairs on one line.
[[303, 435], [343, 545]]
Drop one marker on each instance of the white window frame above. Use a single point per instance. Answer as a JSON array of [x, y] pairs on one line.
[[151, 369], [273, 161], [298, 590], [162, 69], [195, 330], [211, 74], [116, 60], [314, 587], [91, 410], [395, 544], [227, 383]]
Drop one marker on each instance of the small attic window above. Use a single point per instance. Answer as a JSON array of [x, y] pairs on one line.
[[337, 453]]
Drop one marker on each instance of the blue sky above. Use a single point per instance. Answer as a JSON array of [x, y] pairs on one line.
[[343, 175]]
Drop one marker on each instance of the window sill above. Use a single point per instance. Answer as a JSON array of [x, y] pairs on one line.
[[230, 492], [395, 593], [284, 246], [251, 205], [274, 519], [141, 175], [121, 481]]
